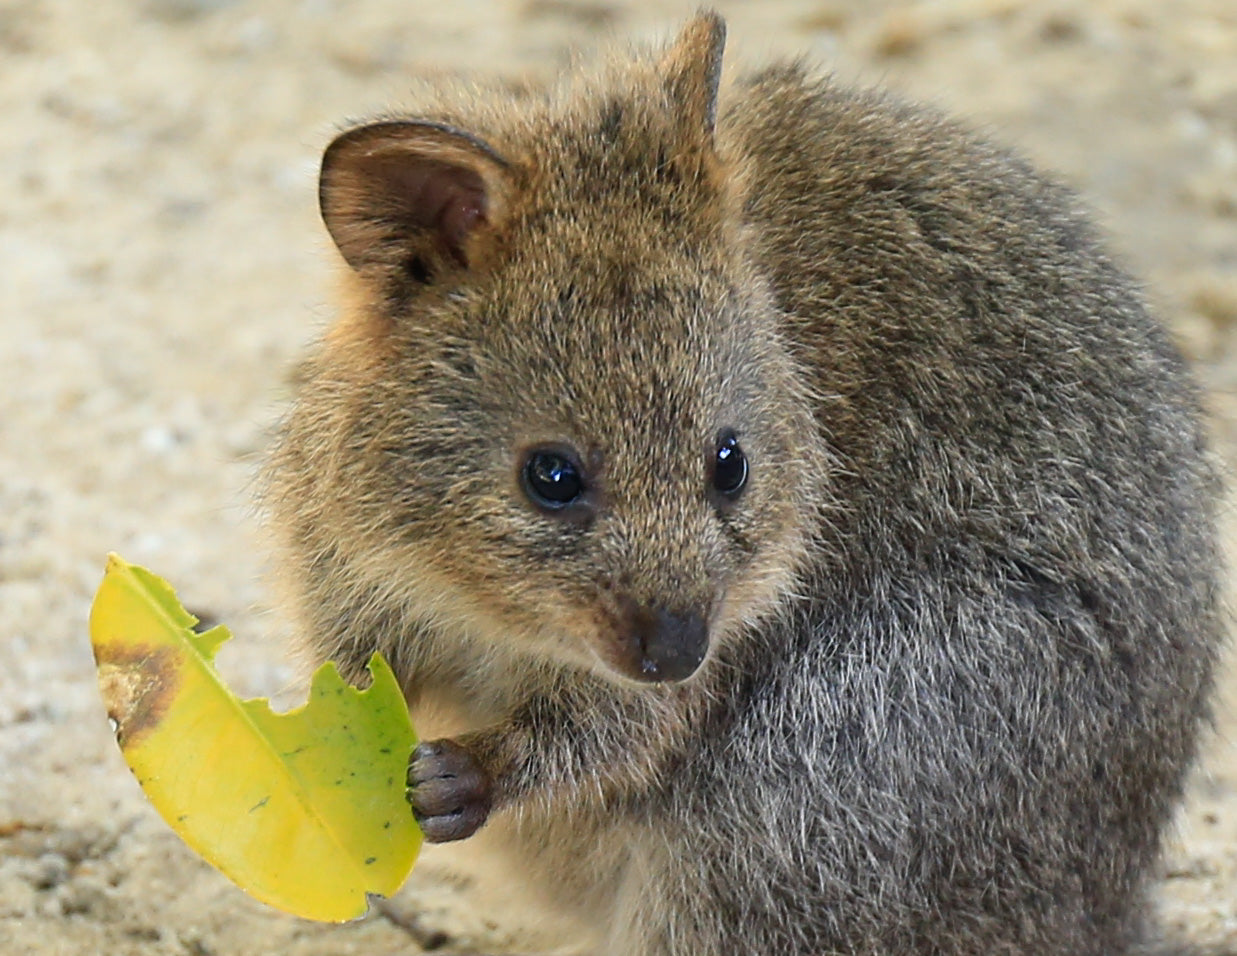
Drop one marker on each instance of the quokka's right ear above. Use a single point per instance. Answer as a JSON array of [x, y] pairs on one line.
[[412, 199]]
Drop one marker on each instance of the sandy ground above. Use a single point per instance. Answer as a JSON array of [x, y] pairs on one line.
[[161, 263]]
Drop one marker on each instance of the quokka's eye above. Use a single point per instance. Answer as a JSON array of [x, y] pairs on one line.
[[551, 479], [729, 467]]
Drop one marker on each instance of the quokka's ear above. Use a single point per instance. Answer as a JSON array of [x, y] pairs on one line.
[[691, 71], [413, 196]]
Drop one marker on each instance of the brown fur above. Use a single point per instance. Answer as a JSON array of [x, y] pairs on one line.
[[962, 618]]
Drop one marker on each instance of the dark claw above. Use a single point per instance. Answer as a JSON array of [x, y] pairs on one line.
[[449, 792]]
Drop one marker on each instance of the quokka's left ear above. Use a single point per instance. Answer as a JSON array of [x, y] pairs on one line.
[[412, 197], [691, 71]]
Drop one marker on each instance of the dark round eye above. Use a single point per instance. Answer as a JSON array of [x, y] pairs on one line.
[[730, 467], [551, 479]]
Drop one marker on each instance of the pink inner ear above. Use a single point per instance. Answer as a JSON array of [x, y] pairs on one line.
[[448, 201], [460, 214]]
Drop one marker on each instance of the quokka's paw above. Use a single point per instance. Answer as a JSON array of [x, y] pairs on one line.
[[450, 793]]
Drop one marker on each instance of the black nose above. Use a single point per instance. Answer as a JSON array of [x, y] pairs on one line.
[[670, 646]]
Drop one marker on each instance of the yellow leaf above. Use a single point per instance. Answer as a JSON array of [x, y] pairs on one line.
[[304, 810]]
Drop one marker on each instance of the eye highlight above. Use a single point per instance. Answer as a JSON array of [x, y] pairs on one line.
[[729, 467], [551, 479]]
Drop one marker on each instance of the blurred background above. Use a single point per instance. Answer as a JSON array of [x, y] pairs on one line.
[[162, 263]]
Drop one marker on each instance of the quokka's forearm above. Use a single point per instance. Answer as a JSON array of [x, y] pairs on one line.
[[579, 745]]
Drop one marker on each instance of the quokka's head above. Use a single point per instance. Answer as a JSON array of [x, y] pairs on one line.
[[558, 414]]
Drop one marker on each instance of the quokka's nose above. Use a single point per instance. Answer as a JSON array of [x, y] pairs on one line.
[[670, 645]]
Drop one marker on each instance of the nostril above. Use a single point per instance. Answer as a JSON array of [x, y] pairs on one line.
[[672, 645]]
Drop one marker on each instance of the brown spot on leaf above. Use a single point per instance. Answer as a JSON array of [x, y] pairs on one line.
[[138, 683]]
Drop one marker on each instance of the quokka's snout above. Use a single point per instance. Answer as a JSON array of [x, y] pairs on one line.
[[657, 644]]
